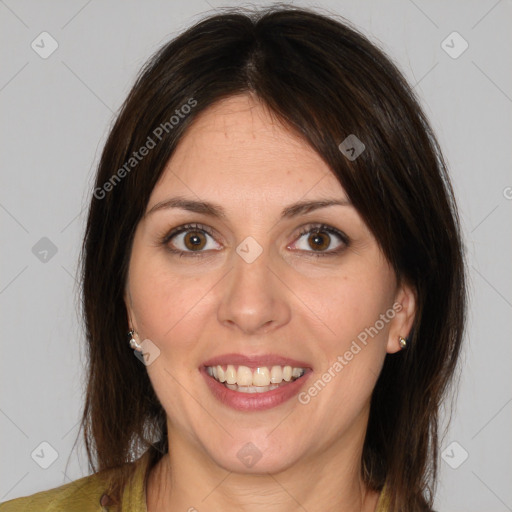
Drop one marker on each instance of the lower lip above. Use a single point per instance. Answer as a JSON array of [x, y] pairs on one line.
[[254, 401]]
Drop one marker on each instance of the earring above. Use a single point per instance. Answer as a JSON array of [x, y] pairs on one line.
[[403, 342], [133, 341]]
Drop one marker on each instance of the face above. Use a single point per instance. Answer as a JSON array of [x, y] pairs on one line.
[[251, 258]]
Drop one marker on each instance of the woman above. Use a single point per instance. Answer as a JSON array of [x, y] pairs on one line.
[[273, 226]]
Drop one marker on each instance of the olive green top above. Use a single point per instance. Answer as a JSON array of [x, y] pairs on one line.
[[85, 495]]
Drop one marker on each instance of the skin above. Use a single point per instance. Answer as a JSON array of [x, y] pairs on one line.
[[288, 301]]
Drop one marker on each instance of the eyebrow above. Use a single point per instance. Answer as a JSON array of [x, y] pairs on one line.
[[217, 211]]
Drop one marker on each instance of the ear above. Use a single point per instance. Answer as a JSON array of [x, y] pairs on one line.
[[405, 313]]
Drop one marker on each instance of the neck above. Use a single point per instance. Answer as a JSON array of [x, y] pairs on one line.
[[187, 479]]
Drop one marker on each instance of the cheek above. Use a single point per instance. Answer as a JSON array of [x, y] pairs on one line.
[[164, 302], [352, 339], [349, 304]]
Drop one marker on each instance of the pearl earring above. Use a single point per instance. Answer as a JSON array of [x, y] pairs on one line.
[[133, 341]]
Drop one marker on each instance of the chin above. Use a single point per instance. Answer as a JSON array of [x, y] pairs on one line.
[[253, 452], [250, 460]]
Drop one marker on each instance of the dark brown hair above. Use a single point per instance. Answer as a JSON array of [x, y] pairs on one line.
[[326, 81]]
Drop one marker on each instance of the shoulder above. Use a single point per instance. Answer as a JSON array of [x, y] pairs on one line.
[[88, 494], [82, 495]]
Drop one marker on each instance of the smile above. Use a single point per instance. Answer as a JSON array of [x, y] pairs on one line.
[[256, 385], [258, 380]]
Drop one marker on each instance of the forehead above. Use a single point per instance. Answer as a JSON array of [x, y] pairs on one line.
[[239, 150]]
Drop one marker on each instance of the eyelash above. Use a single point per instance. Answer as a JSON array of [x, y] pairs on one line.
[[310, 228]]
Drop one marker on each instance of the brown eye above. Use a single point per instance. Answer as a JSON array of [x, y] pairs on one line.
[[194, 240], [191, 238], [319, 241]]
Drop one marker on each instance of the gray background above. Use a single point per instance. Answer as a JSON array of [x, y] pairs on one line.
[[55, 115]]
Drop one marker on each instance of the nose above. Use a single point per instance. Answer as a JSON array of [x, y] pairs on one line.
[[254, 299]]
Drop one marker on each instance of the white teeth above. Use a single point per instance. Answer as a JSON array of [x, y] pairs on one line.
[[276, 375], [296, 373], [244, 376], [252, 389], [230, 374], [260, 378]]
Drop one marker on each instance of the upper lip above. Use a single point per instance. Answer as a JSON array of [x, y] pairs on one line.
[[255, 361]]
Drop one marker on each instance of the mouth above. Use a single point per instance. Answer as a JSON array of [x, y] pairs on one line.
[[254, 383], [243, 379]]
